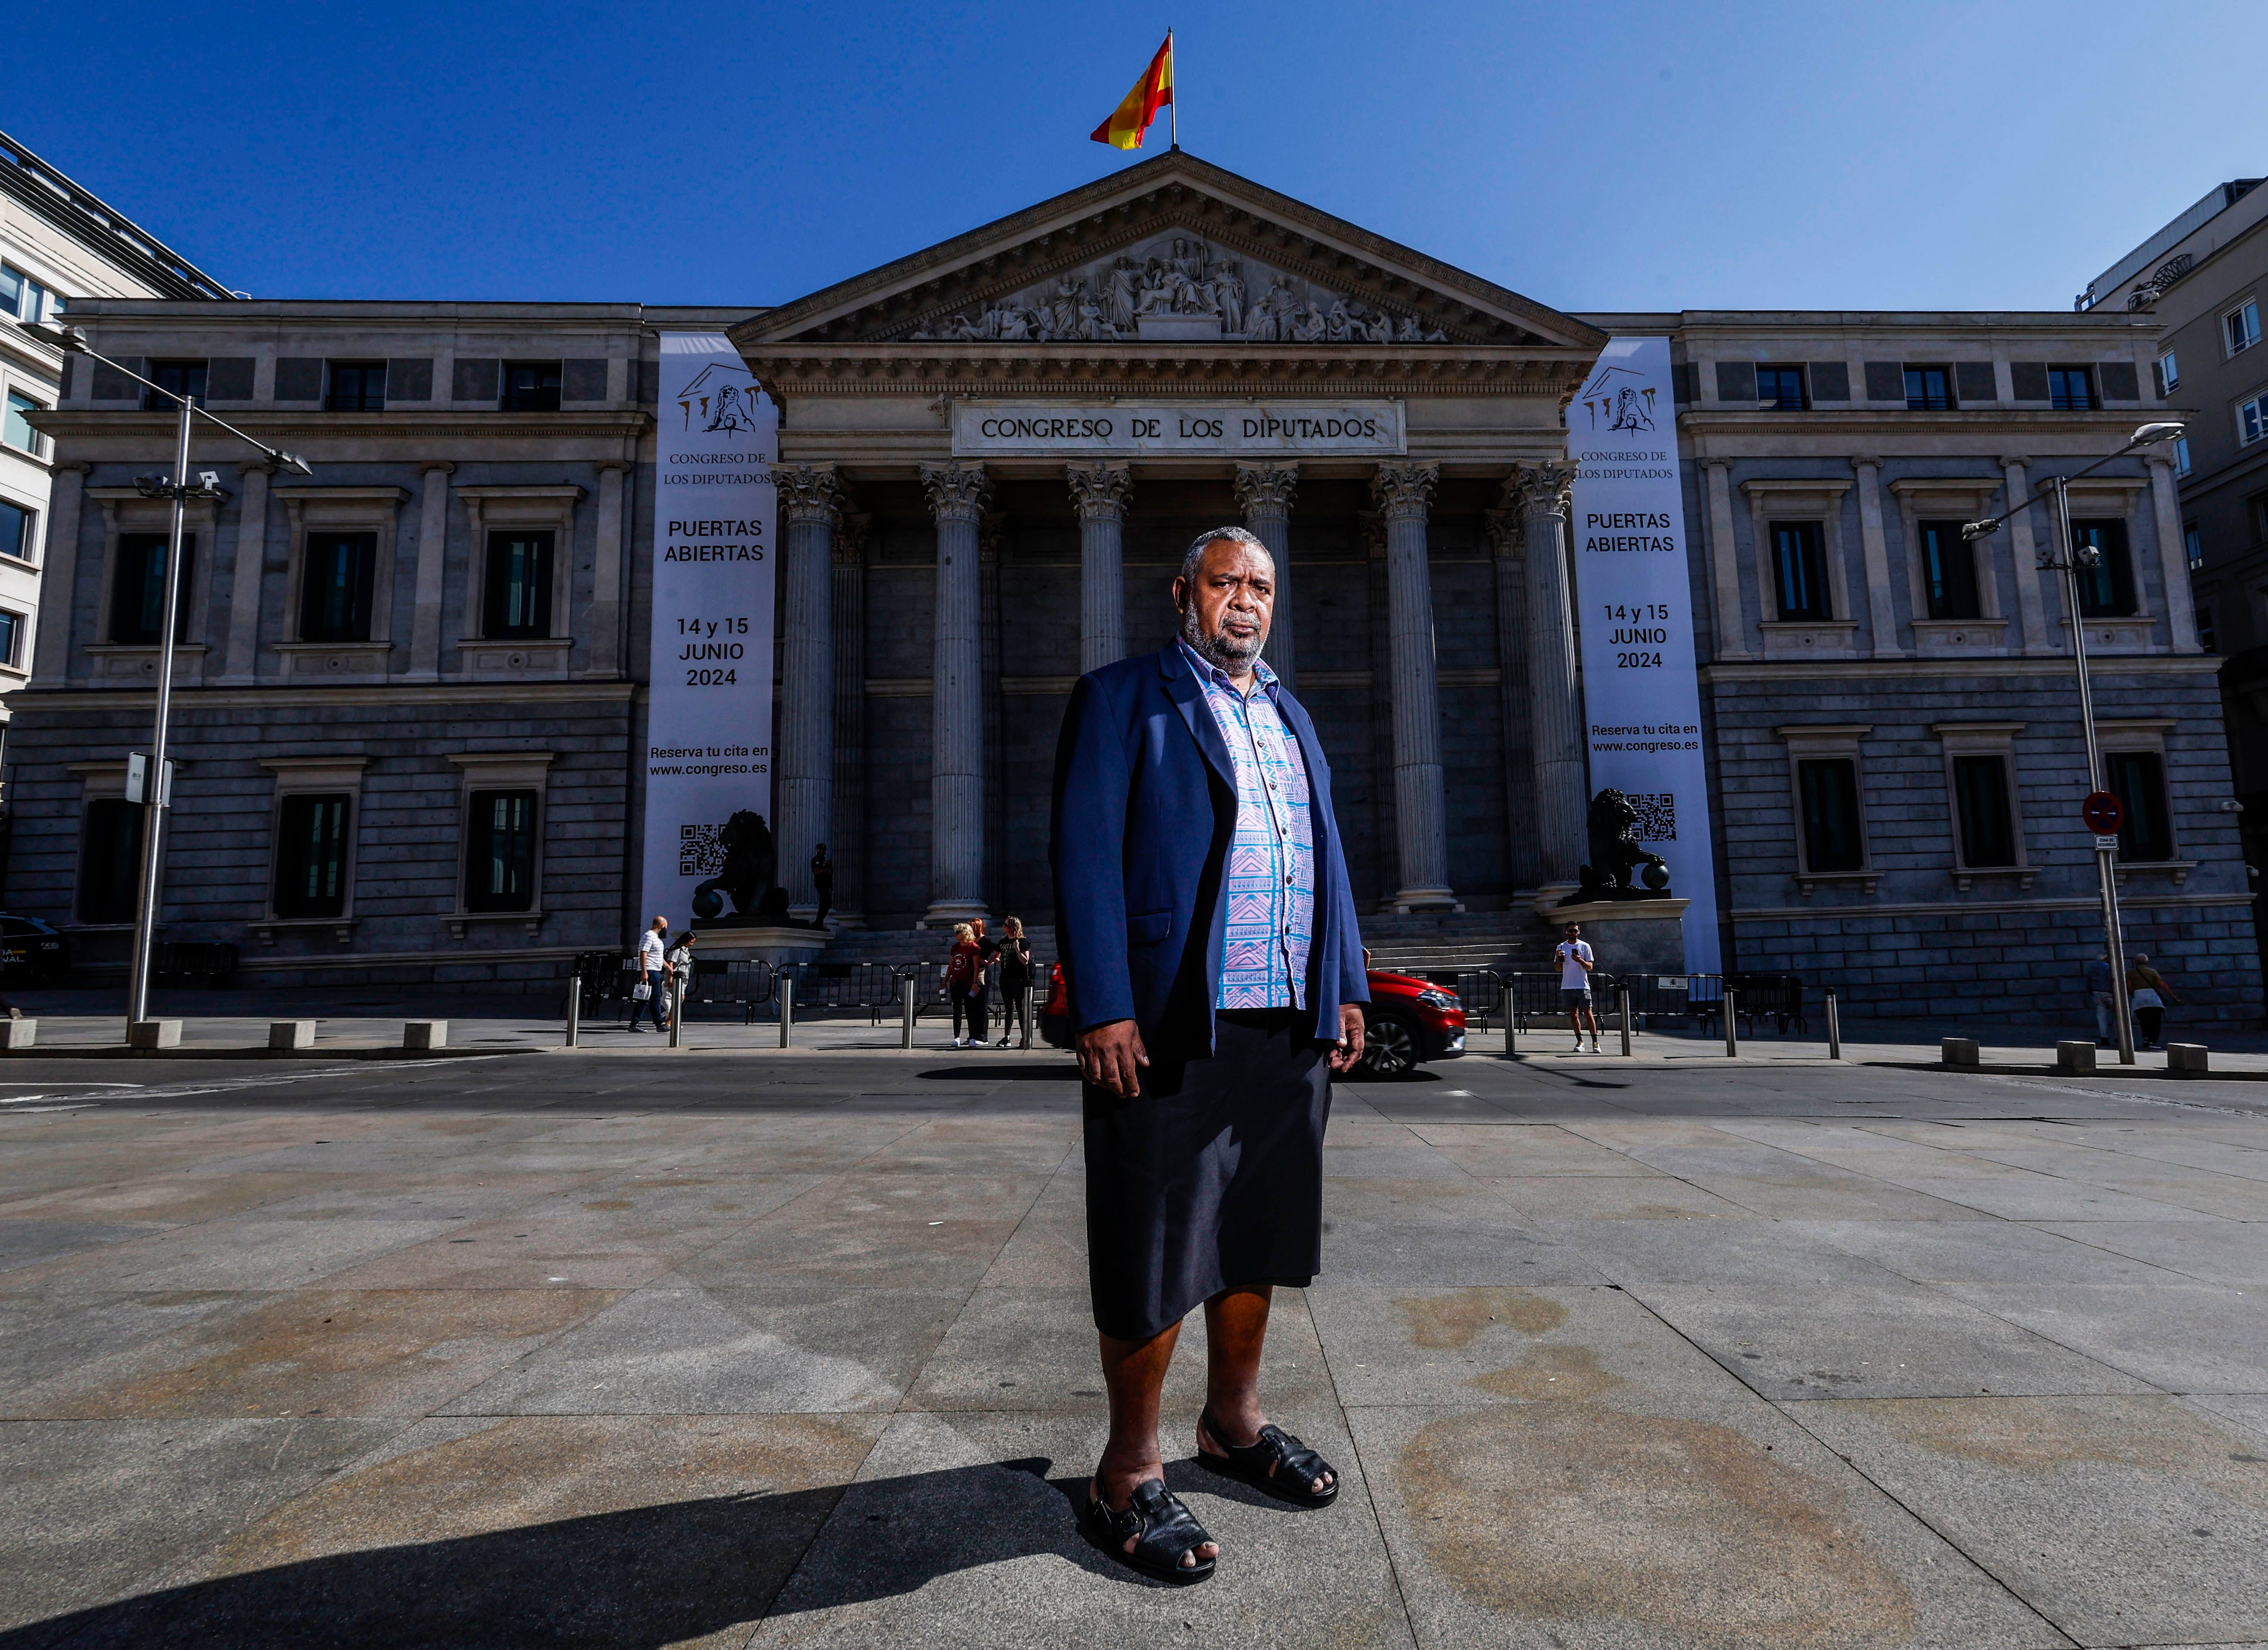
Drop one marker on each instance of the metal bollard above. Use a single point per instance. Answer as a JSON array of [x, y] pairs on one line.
[[676, 994], [1621, 1006], [574, 1011], [1511, 1026], [787, 1010], [1833, 1027], [1731, 1025], [906, 998]]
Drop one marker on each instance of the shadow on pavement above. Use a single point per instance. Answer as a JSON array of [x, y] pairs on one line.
[[647, 1577]]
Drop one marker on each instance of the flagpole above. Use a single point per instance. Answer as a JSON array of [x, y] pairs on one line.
[[1173, 109]]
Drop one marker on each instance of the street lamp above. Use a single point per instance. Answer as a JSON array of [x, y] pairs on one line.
[[2067, 559], [155, 792]]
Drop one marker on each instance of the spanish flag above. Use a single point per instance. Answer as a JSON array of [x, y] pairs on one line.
[[1151, 92]]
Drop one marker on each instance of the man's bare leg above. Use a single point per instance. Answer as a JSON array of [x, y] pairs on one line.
[[1236, 1328], [1134, 1373]]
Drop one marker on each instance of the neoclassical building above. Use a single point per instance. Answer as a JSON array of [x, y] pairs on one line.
[[412, 711]]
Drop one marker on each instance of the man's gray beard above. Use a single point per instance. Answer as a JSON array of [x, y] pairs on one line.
[[1223, 650]]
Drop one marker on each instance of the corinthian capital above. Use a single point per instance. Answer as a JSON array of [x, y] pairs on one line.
[[1545, 489], [1405, 490], [957, 492], [1508, 531], [1100, 490], [1266, 489], [807, 492]]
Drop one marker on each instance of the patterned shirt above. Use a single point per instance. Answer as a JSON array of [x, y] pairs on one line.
[[1271, 861]]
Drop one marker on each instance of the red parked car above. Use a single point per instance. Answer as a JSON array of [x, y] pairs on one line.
[[1409, 1022]]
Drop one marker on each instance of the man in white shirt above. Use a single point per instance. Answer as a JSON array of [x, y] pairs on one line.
[[653, 972], [1575, 962]]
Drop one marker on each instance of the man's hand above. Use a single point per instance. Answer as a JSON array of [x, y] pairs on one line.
[[1349, 1047], [1110, 1056]]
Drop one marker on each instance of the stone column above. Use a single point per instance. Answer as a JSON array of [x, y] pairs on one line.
[[606, 572], [1881, 617], [1508, 545], [2031, 611], [58, 576], [1731, 640], [432, 562], [1404, 493], [1264, 492], [1100, 491], [802, 767], [241, 665], [2173, 554], [848, 846], [957, 494], [1554, 690]]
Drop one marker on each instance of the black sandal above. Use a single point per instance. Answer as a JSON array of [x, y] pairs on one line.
[[1278, 1463], [1162, 1529]]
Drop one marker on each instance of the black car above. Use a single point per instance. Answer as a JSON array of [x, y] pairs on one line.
[[31, 953]]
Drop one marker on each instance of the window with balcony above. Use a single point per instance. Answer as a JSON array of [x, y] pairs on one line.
[[1781, 388], [1929, 388], [531, 386], [1948, 571], [310, 854], [185, 378], [1800, 571], [1988, 831], [137, 589], [2241, 326], [519, 605], [357, 386], [335, 586], [2106, 587], [2071, 388], [20, 433], [500, 850]]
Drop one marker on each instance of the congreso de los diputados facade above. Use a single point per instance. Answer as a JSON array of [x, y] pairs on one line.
[[414, 686]]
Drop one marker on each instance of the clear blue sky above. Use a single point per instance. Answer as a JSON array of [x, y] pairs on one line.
[[1591, 156]]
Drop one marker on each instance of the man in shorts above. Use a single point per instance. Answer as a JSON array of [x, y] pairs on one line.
[[1575, 962]]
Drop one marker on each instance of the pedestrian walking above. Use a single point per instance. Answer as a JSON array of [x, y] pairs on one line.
[[964, 967], [653, 968], [1014, 962], [680, 974], [1210, 1008], [2098, 989], [822, 878], [1573, 954], [980, 998], [2148, 995]]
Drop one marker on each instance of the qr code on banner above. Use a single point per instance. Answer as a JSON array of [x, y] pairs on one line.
[[1657, 816], [701, 850]]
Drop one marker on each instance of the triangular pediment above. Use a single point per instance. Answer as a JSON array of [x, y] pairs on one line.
[[1172, 251]]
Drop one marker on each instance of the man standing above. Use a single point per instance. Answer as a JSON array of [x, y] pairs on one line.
[[1574, 956], [1208, 939], [822, 878], [2098, 987], [653, 972]]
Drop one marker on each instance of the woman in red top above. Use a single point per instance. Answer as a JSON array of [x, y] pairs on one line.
[[964, 976]]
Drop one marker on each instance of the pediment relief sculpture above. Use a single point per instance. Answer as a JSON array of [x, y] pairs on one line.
[[1177, 288]]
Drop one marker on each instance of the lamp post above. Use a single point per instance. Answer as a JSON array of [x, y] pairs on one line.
[[155, 793], [2067, 559]]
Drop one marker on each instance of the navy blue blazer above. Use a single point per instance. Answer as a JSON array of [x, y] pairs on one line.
[[1144, 812]]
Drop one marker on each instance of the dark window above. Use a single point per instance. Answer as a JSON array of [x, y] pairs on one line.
[[2138, 778], [181, 378], [110, 861], [1780, 387], [500, 851], [1736, 381], [11, 637], [335, 586], [2207, 641], [1980, 787], [2257, 507], [2070, 387], [1928, 388], [1800, 569], [357, 386], [311, 856], [137, 590], [519, 587], [16, 535], [531, 386], [2106, 589], [1948, 571], [1831, 838], [1975, 383]]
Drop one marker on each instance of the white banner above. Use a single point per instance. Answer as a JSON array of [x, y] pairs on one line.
[[708, 718], [1641, 692]]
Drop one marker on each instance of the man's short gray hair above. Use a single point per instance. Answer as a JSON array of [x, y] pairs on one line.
[[1194, 554]]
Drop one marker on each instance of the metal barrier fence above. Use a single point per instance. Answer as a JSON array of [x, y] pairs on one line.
[[606, 978], [1691, 1003]]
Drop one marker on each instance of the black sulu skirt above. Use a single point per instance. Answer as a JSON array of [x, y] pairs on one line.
[[1212, 1178]]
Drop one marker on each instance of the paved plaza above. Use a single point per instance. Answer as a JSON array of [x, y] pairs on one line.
[[730, 1348]]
